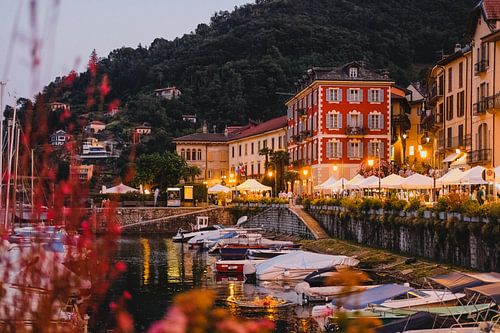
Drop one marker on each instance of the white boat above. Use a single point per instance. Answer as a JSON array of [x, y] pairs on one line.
[[297, 265], [267, 253], [393, 296], [483, 327], [308, 294]]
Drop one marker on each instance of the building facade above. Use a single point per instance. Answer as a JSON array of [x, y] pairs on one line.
[[338, 119]]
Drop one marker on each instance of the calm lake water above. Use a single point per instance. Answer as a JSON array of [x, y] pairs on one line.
[[158, 269]]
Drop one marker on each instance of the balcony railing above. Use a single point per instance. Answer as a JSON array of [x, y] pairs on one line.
[[436, 91], [306, 135], [440, 143], [481, 66], [479, 156], [493, 103], [355, 130], [480, 107]]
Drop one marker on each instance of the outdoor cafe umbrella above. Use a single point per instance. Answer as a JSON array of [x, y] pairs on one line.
[[391, 181], [252, 185], [120, 188], [219, 188], [418, 182], [452, 177], [339, 184], [370, 182], [327, 184], [473, 176], [354, 182]]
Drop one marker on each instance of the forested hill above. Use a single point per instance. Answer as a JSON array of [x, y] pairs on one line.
[[231, 69]]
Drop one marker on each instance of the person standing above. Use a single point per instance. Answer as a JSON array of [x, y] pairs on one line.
[[481, 195]]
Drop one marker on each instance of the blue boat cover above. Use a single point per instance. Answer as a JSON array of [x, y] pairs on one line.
[[377, 295]]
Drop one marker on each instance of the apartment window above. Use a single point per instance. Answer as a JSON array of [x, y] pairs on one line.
[[375, 121], [315, 122], [355, 95], [239, 150], [251, 148], [258, 168], [355, 149], [188, 155], [333, 120], [375, 95], [334, 95], [232, 151], [353, 72], [280, 143], [272, 143], [449, 107], [315, 97], [450, 79], [333, 149], [199, 154], [309, 100], [264, 143], [258, 146], [251, 169], [183, 153], [449, 137], [460, 75], [193, 154], [461, 135], [461, 104], [354, 120], [375, 148], [246, 149]]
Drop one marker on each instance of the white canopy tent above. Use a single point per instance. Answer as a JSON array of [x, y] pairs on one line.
[[370, 182], [253, 186], [354, 182], [339, 184], [418, 182], [452, 177], [219, 188], [118, 189], [497, 174], [473, 176], [392, 181], [327, 184]]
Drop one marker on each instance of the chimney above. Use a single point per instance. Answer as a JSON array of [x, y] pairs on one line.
[[204, 127], [458, 47]]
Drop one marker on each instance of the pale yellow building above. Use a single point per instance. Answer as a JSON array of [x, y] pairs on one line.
[[245, 144]]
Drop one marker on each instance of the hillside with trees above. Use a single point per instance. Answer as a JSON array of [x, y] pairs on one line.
[[235, 67]]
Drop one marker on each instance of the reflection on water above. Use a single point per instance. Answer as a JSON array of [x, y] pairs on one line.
[[158, 269]]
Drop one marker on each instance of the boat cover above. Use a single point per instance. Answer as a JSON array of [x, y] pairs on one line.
[[303, 260], [419, 320], [456, 281], [491, 277], [491, 290], [376, 295]]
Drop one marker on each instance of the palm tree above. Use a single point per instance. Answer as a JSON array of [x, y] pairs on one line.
[[280, 160], [191, 172], [265, 152], [291, 176]]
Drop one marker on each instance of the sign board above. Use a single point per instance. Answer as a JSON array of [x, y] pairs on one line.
[[188, 192], [489, 175], [173, 197]]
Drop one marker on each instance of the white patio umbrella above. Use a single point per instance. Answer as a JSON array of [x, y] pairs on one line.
[[252, 185], [497, 174], [354, 182], [119, 189], [339, 185], [418, 182], [473, 176], [391, 181], [452, 177], [219, 188], [370, 182], [326, 185]]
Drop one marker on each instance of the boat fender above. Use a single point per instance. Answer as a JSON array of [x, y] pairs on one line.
[[286, 273]]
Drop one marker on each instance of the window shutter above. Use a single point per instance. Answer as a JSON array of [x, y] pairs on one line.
[[328, 120], [381, 95], [339, 121], [370, 121], [339, 149], [361, 152], [328, 149], [381, 147], [360, 95], [370, 149], [381, 122], [370, 95], [349, 150], [360, 123], [348, 95], [328, 94], [348, 120]]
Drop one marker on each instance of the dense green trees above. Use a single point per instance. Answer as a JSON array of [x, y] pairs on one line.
[[161, 170]]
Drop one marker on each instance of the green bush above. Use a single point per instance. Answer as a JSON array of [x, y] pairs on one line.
[[472, 208], [492, 211], [394, 204], [413, 205], [352, 205], [371, 203], [441, 205]]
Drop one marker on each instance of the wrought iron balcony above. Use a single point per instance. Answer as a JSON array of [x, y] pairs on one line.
[[306, 135], [493, 103], [355, 130], [481, 66], [479, 156], [458, 141], [480, 107], [301, 112], [436, 92]]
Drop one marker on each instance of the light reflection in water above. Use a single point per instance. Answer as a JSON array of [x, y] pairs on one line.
[[146, 250], [173, 263]]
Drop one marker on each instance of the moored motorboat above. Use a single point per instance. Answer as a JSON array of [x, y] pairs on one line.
[[233, 266], [311, 294], [267, 253]]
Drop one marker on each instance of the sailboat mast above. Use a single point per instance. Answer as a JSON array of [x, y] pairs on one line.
[[32, 183], [9, 165], [14, 192]]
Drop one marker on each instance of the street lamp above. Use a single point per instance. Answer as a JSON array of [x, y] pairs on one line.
[[305, 172], [270, 175], [404, 136]]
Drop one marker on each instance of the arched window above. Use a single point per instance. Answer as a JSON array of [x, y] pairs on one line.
[[183, 153], [194, 155], [199, 154], [188, 155]]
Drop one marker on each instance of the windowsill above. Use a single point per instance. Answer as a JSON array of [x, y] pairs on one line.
[[376, 102], [354, 102], [334, 102]]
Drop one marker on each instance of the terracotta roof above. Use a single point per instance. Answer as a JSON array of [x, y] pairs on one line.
[[270, 125], [492, 9], [202, 137]]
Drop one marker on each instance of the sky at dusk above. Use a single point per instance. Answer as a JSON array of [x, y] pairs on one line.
[[68, 30]]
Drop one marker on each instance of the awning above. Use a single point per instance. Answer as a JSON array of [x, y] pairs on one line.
[[473, 176], [456, 281], [491, 290], [452, 177], [354, 182], [451, 158], [327, 184], [219, 188], [253, 185], [118, 189], [460, 161], [370, 182], [391, 181], [417, 182], [377, 295]]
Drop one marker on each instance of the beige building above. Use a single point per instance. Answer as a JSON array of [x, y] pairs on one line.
[[207, 151], [245, 144], [83, 172]]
